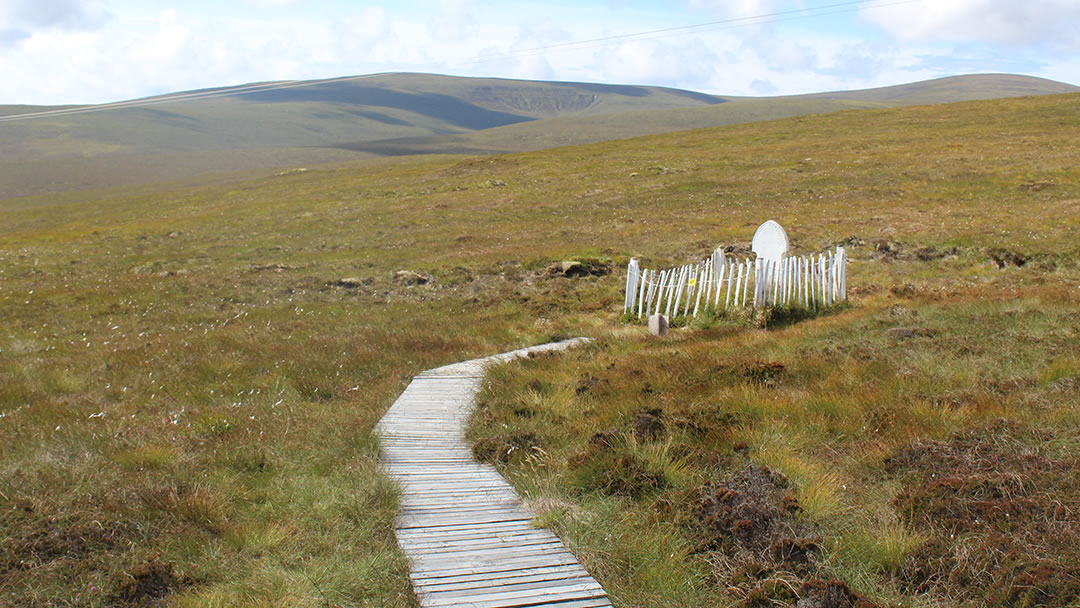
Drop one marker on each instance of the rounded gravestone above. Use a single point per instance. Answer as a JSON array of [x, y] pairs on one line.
[[770, 241]]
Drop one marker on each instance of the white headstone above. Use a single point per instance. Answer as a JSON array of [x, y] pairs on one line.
[[770, 241]]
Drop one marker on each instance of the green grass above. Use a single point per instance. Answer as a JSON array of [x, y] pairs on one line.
[[187, 393]]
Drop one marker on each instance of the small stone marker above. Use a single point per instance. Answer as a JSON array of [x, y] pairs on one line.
[[770, 241], [658, 325]]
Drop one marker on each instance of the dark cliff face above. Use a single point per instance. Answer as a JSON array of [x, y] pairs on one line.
[[435, 105], [544, 102]]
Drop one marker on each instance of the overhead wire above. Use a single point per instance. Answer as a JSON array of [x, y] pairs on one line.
[[736, 22]]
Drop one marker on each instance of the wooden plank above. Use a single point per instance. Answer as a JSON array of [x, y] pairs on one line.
[[512, 596], [442, 570], [431, 521], [479, 543], [492, 577], [467, 555], [493, 527], [512, 578], [421, 539]]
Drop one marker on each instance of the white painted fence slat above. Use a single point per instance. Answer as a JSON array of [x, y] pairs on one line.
[[660, 292], [740, 290], [719, 281], [820, 282], [641, 291], [793, 290], [691, 277], [774, 281], [710, 272], [676, 291], [701, 286]]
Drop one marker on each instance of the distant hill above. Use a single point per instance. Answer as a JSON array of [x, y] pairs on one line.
[[277, 124], [570, 129], [953, 88], [318, 113]]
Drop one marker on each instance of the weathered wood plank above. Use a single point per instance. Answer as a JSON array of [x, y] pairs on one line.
[[502, 566], [508, 579], [517, 596], [480, 543], [495, 574]]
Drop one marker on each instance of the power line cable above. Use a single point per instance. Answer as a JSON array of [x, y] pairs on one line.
[[801, 13]]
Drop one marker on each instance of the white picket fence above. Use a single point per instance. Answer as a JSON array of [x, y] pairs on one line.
[[812, 282]]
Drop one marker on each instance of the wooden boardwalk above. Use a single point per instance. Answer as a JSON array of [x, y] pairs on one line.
[[470, 540]]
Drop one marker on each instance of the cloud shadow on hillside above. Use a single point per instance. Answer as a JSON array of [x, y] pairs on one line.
[[442, 107]]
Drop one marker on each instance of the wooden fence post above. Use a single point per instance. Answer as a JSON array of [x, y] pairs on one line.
[[843, 272], [746, 285], [701, 287], [691, 287], [805, 281], [710, 273], [669, 294], [820, 281], [773, 282], [660, 291], [641, 291], [738, 286], [757, 281], [676, 291], [793, 280], [720, 282]]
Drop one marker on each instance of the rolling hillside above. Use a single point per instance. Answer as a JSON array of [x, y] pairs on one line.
[[572, 129], [955, 88], [321, 113], [265, 125]]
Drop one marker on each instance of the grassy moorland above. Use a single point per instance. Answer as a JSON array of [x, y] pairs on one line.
[[189, 377]]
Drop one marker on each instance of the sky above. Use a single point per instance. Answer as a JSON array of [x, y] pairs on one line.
[[93, 51]]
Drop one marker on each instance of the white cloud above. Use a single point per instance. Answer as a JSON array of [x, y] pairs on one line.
[[20, 19], [661, 62], [533, 67], [734, 9], [1006, 22], [66, 14], [270, 3], [369, 25], [789, 56]]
